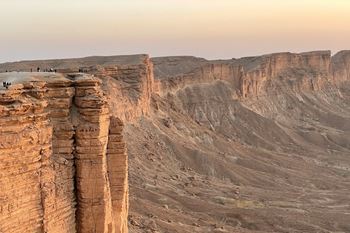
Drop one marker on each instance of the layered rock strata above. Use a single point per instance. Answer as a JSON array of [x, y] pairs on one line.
[[305, 71], [117, 162], [55, 166], [59, 95], [252, 76], [127, 80], [26, 174], [340, 66], [128, 86]]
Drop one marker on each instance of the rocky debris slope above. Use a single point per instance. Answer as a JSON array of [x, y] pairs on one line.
[[256, 144]]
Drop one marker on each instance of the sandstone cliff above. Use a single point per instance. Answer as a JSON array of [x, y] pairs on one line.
[[85, 160], [26, 168], [341, 66], [127, 80], [64, 164], [251, 76]]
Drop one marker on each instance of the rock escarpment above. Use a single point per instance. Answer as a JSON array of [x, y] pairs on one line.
[[251, 76], [117, 164], [94, 210], [341, 66], [63, 160], [211, 125], [26, 194], [127, 80], [128, 87], [87, 172], [59, 95]]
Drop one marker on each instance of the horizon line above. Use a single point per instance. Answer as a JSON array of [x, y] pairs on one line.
[[184, 55]]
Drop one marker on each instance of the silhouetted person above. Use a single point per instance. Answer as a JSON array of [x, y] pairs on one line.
[[38, 69], [31, 69]]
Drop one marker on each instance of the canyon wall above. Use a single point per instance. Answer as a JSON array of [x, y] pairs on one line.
[[204, 72], [305, 71], [128, 87], [26, 174], [63, 157], [341, 66], [254, 76], [59, 95], [75, 179]]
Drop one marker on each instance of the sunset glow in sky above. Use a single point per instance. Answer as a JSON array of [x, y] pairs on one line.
[[37, 29]]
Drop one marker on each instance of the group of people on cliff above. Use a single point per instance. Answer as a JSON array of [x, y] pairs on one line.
[[39, 70], [6, 84], [52, 70], [45, 70]]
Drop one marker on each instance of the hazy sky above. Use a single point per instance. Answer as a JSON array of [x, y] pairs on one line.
[[33, 29]]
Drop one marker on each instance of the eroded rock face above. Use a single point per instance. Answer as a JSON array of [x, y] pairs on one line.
[[27, 177], [117, 164], [251, 76], [88, 161], [127, 80], [55, 165], [59, 95], [341, 66], [305, 71], [128, 87], [94, 210]]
